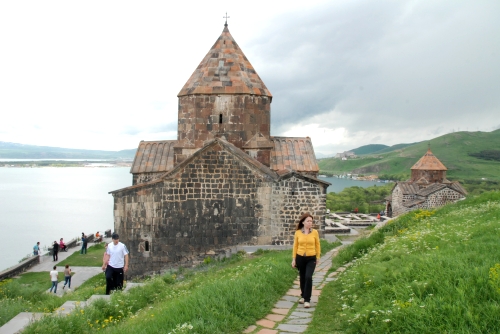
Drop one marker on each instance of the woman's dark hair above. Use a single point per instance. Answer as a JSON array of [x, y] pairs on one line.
[[67, 266], [300, 225]]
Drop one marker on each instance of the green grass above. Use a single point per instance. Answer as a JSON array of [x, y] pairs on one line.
[[216, 298], [93, 258], [426, 272], [327, 246], [28, 294]]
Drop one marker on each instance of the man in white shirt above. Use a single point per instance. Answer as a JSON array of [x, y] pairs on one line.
[[54, 279], [115, 262]]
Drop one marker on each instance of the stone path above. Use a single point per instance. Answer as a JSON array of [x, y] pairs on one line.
[[288, 316]]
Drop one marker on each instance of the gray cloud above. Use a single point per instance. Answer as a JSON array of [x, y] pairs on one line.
[[422, 68]]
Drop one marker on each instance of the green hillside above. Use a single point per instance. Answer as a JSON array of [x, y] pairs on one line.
[[20, 151], [394, 148], [368, 149], [465, 154]]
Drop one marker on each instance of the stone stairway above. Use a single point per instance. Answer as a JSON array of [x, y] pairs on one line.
[[23, 319]]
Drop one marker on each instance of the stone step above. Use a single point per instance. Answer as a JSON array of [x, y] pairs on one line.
[[93, 298], [16, 324], [131, 286], [69, 306]]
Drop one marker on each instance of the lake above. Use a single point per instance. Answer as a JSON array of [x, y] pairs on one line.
[[337, 184], [46, 204]]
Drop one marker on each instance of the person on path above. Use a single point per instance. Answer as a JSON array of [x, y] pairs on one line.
[[67, 277], [36, 248], [62, 246], [53, 278], [84, 244], [305, 256], [115, 264], [55, 250]]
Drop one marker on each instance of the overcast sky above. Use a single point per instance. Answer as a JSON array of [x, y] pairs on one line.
[[106, 74]]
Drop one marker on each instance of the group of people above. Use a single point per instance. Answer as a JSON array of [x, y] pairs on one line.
[[305, 256], [114, 264], [62, 247], [54, 275], [58, 246]]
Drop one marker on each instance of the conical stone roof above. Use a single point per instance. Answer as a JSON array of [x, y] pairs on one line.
[[225, 70], [429, 162]]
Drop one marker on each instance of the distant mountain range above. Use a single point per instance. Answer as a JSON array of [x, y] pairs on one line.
[[21, 151], [378, 148], [467, 155]]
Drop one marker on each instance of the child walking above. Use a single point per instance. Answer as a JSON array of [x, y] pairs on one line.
[[53, 278], [67, 277]]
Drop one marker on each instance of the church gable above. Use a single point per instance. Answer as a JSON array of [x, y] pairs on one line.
[[220, 144]]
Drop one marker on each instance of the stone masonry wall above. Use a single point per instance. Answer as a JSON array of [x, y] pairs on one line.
[[437, 199], [290, 199], [397, 201], [214, 203], [440, 198], [237, 117]]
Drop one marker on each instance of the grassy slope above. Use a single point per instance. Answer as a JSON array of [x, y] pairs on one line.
[[223, 297], [367, 149], [394, 148], [93, 258], [451, 149], [426, 272]]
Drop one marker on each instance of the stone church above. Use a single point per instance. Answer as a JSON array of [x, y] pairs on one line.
[[225, 181], [427, 188]]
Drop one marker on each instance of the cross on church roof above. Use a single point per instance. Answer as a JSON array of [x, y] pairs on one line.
[[226, 17]]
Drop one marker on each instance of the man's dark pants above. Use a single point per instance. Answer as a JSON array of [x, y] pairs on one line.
[[114, 279]]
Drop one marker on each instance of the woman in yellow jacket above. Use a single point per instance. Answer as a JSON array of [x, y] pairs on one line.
[[306, 253]]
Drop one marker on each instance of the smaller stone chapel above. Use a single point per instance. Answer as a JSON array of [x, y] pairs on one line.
[[225, 181], [427, 188]]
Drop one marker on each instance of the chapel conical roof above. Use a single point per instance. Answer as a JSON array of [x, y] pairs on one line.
[[429, 162], [225, 70]]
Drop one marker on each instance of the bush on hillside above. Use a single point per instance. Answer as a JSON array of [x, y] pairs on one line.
[[366, 200]]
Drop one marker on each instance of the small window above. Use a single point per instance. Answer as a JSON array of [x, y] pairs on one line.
[[220, 118], [146, 246]]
